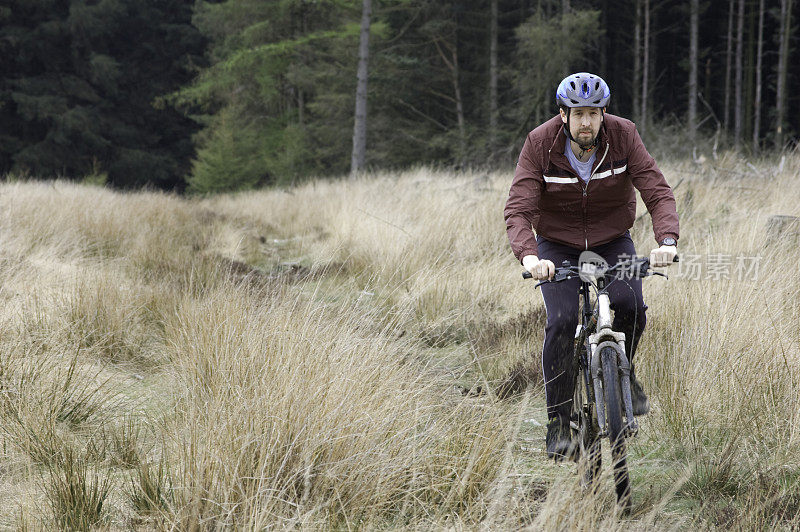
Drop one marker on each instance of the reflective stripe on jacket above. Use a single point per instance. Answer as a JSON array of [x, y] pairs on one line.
[[547, 195]]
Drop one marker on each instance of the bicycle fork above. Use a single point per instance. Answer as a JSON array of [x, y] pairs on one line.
[[605, 337]]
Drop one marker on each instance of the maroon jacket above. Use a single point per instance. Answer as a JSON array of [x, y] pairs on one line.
[[548, 196]]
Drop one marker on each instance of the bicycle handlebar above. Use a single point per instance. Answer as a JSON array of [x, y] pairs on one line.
[[634, 267]]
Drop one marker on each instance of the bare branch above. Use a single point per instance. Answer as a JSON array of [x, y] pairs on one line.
[[421, 114]]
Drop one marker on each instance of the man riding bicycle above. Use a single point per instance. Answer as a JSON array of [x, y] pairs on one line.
[[574, 185]]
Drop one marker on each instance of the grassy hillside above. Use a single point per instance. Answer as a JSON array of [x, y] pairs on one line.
[[331, 356]]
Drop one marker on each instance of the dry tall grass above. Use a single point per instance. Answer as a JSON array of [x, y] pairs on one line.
[[327, 356]]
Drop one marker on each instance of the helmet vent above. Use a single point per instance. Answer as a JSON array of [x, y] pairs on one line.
[[582, 89]]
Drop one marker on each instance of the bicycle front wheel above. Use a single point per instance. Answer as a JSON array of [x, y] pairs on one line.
[[585, 435], [616, 424]]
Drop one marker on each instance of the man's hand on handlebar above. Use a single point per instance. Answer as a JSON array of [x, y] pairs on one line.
[[663, 256], [638, 267], [539, 269]]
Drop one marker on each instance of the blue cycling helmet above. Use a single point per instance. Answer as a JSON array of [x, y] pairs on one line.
[[583, 89]]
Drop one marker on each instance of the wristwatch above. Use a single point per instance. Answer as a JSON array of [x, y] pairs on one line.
[[669, 241]]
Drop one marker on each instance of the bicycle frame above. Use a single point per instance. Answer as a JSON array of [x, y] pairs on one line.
[[601, 334], [604, 336], [587, 326]]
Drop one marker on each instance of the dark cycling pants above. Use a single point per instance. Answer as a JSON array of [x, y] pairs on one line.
[[561, 303]]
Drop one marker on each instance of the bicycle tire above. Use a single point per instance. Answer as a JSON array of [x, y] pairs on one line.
[[616, 425], [585, 435]]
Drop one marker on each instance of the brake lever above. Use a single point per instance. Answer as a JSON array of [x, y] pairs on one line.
[[556, 278], [562, 276]]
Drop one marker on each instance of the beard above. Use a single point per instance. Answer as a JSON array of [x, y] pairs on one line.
[[585, 141]]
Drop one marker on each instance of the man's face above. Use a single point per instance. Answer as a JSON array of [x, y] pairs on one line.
[[584, 123]]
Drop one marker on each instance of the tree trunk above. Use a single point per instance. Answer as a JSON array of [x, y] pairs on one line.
[[645, 68], [728, 57], [452, 64], [565, 35], [604, 42], [358, 158], [749, 69], [462, 136], [783, 66], [693, 58], [737, 110], [301, 108], [637, 61], [493, 80], [301, 29], [757, 99]]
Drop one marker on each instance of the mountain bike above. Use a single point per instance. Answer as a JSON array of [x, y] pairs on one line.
[[601, 405]]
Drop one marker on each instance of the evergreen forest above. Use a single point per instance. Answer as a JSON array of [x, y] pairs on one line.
[[211, 96]]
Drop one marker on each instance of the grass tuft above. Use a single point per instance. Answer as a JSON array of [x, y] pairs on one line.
[[76, 493], [150, 488]]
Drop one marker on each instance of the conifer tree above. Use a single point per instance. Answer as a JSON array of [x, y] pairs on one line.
[[79, 85]]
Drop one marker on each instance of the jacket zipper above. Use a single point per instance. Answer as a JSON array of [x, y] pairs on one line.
[[586, 198]]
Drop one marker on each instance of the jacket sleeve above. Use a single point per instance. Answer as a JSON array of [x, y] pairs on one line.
[[522, 208], [653, 187]]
